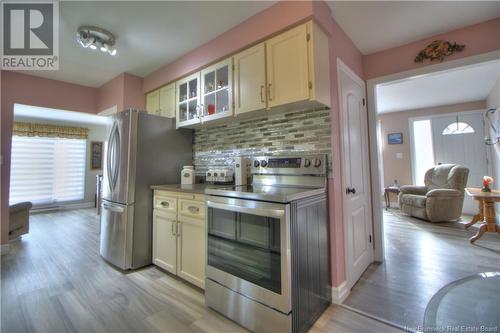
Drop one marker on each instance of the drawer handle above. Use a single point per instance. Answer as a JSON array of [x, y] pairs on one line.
[[194, 209], [165, 204]]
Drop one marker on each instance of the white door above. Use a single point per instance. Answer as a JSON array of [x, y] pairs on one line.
[[357, 204], [461, 142]]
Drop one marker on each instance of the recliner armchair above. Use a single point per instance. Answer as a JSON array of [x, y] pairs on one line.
[[442, 197]]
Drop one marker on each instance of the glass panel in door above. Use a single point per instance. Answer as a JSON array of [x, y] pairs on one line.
[[222, 100], [216, 91], [183, 95], [246, 246], [193, 88]]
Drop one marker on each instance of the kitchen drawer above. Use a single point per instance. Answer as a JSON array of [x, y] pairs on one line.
[[165, 204], [192, 209], [199, 197], [180, 195]]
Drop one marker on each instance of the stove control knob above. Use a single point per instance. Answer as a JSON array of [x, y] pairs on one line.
[[263, 163], [209, 174], [215, 174], [317, 162], [307, 163], [256, 163]]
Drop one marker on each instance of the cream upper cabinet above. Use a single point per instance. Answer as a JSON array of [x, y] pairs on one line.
[[217, 91], [165, 241], [287, 67], [153, 102], [188, 100], [250, 91], [167, 101], [161, 102]]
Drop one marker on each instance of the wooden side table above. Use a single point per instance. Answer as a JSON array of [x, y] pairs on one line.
[[486, 201], [387, 191]]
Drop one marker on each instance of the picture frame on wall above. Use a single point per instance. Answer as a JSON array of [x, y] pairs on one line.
[[96, 152], [395, 138]]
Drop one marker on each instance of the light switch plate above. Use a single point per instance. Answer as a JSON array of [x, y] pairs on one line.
[[399, 156]]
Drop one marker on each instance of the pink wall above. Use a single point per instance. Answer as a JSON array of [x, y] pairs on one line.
[[341, 47], [124, 91], [133, 96], [269, 21], [111, 93], [32, 90], [479, 38]]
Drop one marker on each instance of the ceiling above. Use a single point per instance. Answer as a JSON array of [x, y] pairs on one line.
[[466, 84], [22, 111], [154, 33], [149, 34], [378, 25]]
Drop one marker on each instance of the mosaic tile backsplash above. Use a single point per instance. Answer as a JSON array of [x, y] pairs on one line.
[[297, 132]]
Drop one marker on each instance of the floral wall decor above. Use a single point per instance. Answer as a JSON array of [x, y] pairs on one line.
[[438, 49]]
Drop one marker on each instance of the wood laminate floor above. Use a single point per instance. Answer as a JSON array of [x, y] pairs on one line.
[[54, 280], [420, 258]]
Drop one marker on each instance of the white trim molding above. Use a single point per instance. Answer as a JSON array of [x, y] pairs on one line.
[[4, 249], [340, 293], [82, 205]]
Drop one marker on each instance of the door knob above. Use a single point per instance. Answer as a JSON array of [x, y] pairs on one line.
[[350, 190]]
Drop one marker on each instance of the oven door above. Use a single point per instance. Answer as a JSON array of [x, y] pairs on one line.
[[249, 249]]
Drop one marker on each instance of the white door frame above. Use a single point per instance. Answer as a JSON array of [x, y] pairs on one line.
[[341, 66], [372, 130]]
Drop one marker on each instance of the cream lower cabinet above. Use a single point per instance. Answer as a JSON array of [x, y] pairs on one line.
[[165, 241], [179, 235]]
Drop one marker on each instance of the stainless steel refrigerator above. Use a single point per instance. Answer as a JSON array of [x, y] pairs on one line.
[[141, 150]]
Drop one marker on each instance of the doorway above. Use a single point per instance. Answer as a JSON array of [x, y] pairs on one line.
[[412, 255]]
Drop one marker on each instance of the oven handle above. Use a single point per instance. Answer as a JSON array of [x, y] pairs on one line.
[[267, 212]]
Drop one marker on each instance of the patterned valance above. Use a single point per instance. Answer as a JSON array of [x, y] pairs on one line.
[[49, 130]]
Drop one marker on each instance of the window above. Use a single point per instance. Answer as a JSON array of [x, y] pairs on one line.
[[458, 128], [47, 170], [423, 150]]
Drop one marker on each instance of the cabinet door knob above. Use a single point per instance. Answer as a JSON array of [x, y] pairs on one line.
[[194, 209], [165, 204]]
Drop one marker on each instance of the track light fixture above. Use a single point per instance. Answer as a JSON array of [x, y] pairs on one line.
[[96, 38]]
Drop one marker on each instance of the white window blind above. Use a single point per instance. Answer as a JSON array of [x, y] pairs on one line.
[[47, 170]]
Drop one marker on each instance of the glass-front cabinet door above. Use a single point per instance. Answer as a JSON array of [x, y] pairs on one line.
[[216, 90], [188, 100]]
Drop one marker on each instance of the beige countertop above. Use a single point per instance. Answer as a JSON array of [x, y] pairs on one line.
[[196, 188]]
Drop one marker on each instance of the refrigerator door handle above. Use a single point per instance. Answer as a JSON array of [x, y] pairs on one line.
[[113, 208], [108, 156], [117, 156], [113, 157]]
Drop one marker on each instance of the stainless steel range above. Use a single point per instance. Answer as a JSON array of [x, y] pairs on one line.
[[268, 264]]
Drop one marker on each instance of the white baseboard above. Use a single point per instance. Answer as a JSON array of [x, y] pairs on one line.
[[340, 293], [63, 207], [4, 249]]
